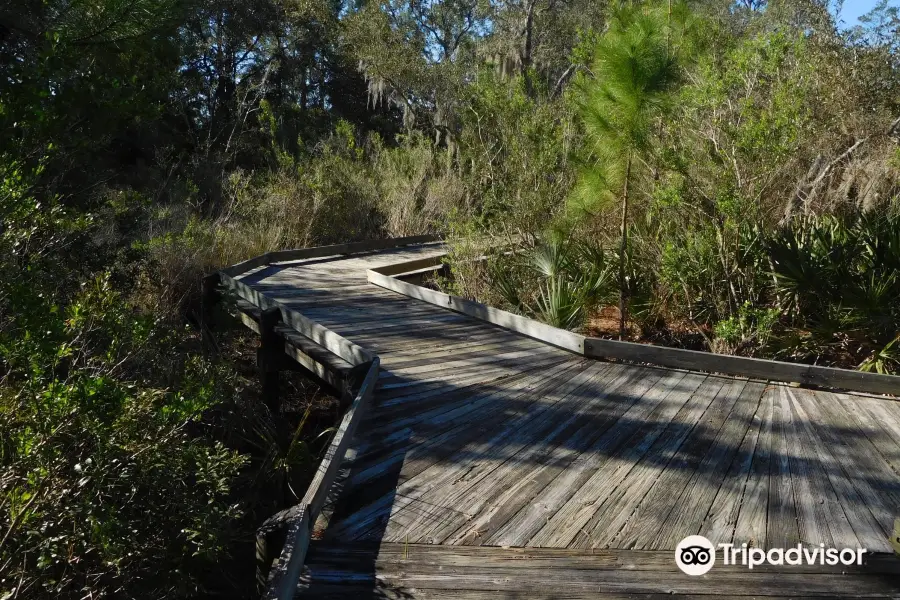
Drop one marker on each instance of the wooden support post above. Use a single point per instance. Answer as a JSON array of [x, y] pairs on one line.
[[209, 297], [269, 358]]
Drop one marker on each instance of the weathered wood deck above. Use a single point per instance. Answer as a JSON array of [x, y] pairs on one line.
[[479, 436]]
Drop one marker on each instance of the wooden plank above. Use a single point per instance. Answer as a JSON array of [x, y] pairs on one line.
[[453, 406], [318, 361], [431, 411], [431, 449], [322, 251], [841, 471], [411, 391], [580, 428], [823, 466], [247, 265], [743, 366], [524, 524], [696, 499], [298, 346], [286, 572], [517, 414], [809, 497], [430, 368], [341, 555], [376, 468], [387, 590], [402, 383], [632, 520], [541, 331], [595, 471], [434, 323], [781, 528], [308, 290], [403, 359], [318, 489], [750, 527], [401, 387], [324, 337], [880, 421], [430, 324], [373, 313], [872, 478], [435, 502], [411, 266], [410, 569], [720, 582], [393, 380], [478, 354], [662, 498], [721, 520], [403, 347], [609, 488]]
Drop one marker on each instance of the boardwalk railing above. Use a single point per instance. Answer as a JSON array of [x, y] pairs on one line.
[[297, 522], [590, 347], [323, 251]]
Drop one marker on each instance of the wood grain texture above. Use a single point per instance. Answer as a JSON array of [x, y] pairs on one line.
[[551, 335], [426, 571], [486, 430], [743, 366]]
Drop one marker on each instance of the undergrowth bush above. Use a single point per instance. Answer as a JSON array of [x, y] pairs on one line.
[[106, 488], [817, 289]]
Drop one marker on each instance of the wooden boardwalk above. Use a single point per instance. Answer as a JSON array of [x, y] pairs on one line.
[[482, 437]]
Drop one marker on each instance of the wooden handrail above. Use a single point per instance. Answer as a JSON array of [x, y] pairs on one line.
[[386, 277], [299, 520], [323, 251], [590, 347]]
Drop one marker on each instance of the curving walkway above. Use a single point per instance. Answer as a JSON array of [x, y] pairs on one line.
[[479, 436]]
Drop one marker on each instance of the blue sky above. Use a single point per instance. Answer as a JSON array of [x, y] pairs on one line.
[[853, 9]]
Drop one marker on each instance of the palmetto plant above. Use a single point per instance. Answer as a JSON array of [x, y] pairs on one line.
[[884, 361], [561, 303], [285, 462], [839, 278], [574, 276]]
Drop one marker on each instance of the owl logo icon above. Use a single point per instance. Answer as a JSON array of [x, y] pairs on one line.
[[695, 555]]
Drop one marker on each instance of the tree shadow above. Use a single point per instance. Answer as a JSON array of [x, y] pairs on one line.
[[442, 446]]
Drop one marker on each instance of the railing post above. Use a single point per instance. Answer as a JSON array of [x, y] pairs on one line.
[[268, 358]]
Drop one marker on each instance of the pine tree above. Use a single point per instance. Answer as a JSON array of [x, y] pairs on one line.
[[633, 75]]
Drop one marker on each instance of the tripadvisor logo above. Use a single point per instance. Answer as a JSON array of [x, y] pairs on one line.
[[696, 555]]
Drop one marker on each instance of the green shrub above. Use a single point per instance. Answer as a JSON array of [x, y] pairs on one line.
[[106, 488], [747, 332], [838, 280]]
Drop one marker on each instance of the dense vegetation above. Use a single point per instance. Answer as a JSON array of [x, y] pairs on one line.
[[713, 175]]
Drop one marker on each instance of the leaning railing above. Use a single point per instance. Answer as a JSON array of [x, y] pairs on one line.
[[296, 523]]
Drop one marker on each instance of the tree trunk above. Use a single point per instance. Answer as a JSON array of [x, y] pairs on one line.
[[528, 48], [623, 249]]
